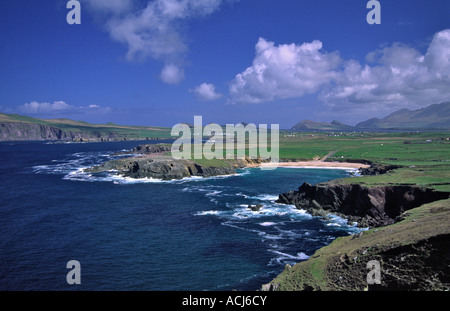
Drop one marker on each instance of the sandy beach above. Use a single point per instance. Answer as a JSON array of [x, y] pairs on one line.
[[318, 164]]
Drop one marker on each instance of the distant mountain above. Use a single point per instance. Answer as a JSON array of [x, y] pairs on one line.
[[16, 127], [432, 117], [308, 125]]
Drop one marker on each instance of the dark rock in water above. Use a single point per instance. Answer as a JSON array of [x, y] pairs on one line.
[[255, 208], [369, 206]]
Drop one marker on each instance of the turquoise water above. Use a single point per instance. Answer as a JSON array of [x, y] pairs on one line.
[[193, 234]]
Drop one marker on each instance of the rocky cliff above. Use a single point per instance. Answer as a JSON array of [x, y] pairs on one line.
[[409, 239], [413, 255], [368, 206], [12, 131]]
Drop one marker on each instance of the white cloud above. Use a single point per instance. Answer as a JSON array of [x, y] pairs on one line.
[[156, 29], [284, 71], [58, 108], [394, 77], [206, 92], [172, 74], [36, 107]]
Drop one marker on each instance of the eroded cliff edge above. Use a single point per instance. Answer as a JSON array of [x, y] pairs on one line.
[[20, 131], [368, 206], [409, 236]]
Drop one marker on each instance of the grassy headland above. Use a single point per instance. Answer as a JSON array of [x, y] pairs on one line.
[[17, 127], [414, 253]]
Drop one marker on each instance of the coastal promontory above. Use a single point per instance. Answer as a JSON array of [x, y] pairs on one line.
[[154, 162]]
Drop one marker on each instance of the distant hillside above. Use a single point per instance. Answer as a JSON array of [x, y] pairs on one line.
[[308, 125], [434, 117], [16, 127]]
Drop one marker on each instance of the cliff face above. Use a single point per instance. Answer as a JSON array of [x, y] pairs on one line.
[[11, 131], [369, 206], [28, 131]]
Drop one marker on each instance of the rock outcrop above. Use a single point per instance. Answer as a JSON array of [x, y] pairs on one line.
[[152, 148], [152, 162], [160, 167], [368, 206], [378, 169]]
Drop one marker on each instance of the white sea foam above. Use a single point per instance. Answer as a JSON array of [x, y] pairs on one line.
[[333, 224], [73, 165], [213, 193], [241, 211], [203, 213], [283, 257], [266, 197], [267, 224], [299, 256]]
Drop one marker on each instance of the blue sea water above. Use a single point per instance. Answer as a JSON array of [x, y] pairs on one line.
[[194, 234]]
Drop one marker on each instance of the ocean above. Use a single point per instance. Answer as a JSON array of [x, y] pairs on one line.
[[195, 234]]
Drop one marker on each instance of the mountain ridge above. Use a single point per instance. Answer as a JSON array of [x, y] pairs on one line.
[[433, 117]]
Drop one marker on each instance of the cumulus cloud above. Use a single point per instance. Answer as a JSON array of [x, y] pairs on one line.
[[36, 107], [284, 71], [156, 29], [58, 108], [394, 77], [206, 92]]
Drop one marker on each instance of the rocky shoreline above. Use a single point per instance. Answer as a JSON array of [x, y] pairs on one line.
[[368, 206], [408, 236]]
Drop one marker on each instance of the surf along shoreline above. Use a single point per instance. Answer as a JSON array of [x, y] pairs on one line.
[[388, 211]]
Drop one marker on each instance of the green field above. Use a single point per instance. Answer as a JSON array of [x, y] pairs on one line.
[[424, 156]]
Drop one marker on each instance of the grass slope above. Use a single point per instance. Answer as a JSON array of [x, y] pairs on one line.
[[342, 264]]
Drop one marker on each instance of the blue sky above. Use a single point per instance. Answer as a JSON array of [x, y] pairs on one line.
[[160, 62]]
